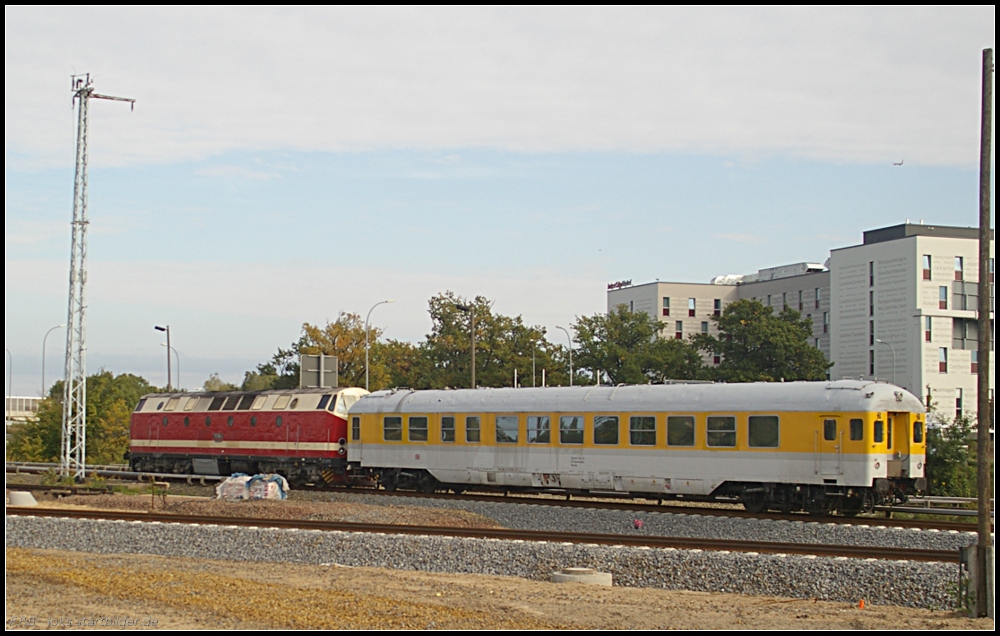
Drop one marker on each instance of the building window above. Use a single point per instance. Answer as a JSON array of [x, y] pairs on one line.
[[958, 403], [871, 333], [666, 306], [871, 273], [871, 362], [826, 322], [817, 298], [959, 268], [942, 297], [679, 330], [816, 342], [631, 305], [784, 300], [716, 360], [964, 334], [927, 266], [975, 361], [718, 307], [691, 307], [871, 303], [927, 329], [769, 300], [943, 360], [800, 300], [704, 326]]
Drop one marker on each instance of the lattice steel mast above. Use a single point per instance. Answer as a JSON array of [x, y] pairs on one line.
[[74, 419]]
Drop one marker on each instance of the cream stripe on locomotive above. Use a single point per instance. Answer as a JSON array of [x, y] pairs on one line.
[[139, 445]]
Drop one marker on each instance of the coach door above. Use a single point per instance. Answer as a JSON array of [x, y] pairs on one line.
[[829, 446], [898, 444]]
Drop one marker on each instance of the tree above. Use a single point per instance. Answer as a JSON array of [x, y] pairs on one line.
[[951, 458], [756, 345], [345, 338], [214, 384], [110, 400], [625, 346], [281, 372]]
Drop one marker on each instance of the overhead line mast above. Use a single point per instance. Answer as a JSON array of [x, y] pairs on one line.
[[74, 418]]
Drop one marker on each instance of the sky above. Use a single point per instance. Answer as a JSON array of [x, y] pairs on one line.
[[284, 165]]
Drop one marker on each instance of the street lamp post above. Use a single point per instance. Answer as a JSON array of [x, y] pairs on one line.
[[893, 351], [43, 354], [471, 310], [177, 358], [366, 336], [166, 329], [570, 338]]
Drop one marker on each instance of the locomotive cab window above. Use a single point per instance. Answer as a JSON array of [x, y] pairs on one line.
[[142, 402], [918, 432], [879, 435], [857, 430], [721, 431], [392, 428], [538, 429], [606, 430], [472, 429], [762, 431], [418, 429], [571, 429], [323, 401], [642, 430], [506, 429], [447, 428], [680, 430], [829, 430]]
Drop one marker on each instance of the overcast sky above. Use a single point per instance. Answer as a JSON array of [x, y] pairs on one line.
[[284, 165]]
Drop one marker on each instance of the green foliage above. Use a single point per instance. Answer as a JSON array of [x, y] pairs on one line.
[[110, 400], [626, 347], [345, 338], [215, 384], [757, 346], [951, 459]]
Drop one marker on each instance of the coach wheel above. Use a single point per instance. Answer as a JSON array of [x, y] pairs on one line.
[[427, 483], [754, 501], [389, 480]]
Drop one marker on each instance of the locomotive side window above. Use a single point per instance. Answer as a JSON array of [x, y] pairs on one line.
[[830, 430], [294, 403], [392, 428], [506, 429], [642, 430], [918, 431], [171, 404], [538, 429], [246, 402], [231, 403], [203, 403], [448, 428], [355, 428], [879, 431], [721, 431], [762, 431], [323, 402], [333, 404], [281, 402], [217, 403], [472, 429], [142, 403], [258, 403], [857, 430], [418, 429], [189, 405], [571, 429], [680, 430], [606, 430]]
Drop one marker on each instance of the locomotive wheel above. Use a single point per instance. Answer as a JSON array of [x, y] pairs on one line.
[[754, 501], [857, 503]]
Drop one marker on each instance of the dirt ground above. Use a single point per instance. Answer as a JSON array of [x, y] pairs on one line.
[[48, 589]]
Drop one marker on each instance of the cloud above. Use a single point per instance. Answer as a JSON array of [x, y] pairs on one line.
[[842, 84]]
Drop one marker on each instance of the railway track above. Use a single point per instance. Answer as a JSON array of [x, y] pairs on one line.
[[681, 543]]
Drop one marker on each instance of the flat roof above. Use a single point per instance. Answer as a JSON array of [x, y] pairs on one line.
[[907, 230]]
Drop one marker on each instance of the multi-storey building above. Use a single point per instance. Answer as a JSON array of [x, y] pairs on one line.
[[900, 307]]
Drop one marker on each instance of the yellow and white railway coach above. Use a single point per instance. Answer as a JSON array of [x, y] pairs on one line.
[[839, 446]]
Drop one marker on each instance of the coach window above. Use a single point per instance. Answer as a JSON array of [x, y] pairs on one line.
[[392, 428], [506, 429], [447, 428], [857, 430], [355, 429], [642, 430], [418, 429], [606, 430], [171, 404], [538, 429], [721, 430], [571, 429], [217, 403], [879, 436], [323, 402], [281, 402], [918, 431], [472, 429], [830, 430], [258, 403], [680, 430], [246, 402], [762, 431]]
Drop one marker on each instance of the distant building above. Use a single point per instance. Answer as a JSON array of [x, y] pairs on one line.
[[899, 307]]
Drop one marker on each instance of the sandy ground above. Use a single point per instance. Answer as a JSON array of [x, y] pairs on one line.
[[53, 589]]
